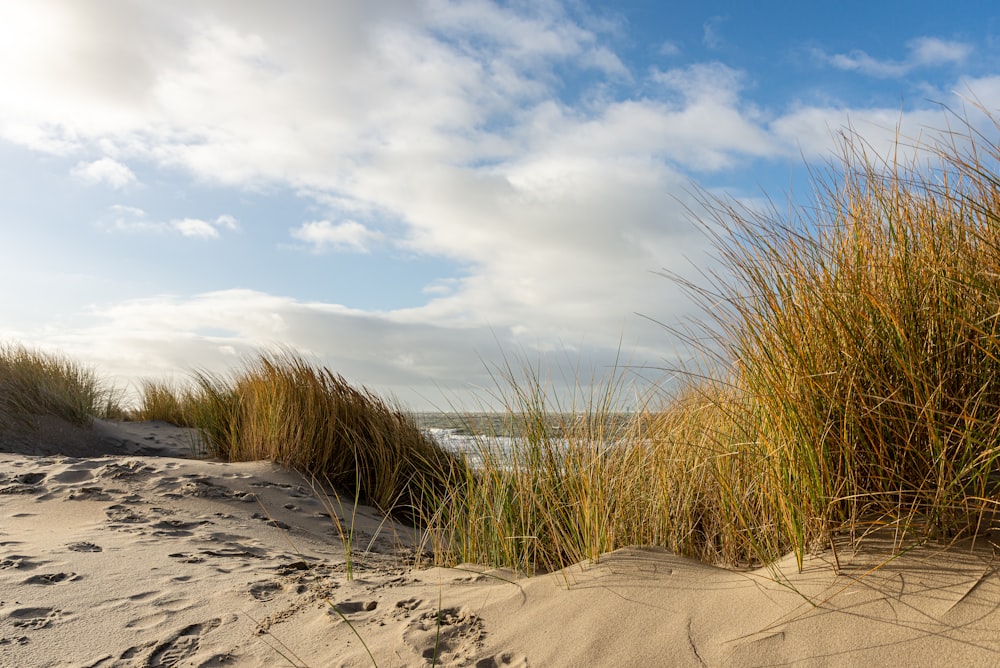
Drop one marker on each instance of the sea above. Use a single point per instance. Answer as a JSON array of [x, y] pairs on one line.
[[467, 434]]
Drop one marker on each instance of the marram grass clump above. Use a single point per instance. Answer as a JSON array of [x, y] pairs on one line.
[[35, 383], [161, 400], [558, 487], [279, 407], [571, 486], [865, 346], [853, 385]]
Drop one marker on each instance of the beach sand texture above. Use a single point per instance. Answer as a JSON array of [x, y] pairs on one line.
[[119, 549]]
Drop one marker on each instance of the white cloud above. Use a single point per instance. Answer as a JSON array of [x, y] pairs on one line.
[[669, 48], [122, 218], [815, 131], [203, 229], [859, 61], [922, 52], [324, 235], [711, 35], [980, 92], [701, 81], [105, 170], [131, 219], [933, 51]]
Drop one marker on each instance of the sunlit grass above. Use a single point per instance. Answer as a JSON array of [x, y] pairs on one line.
[[855, 386], [571, 486], [865, 346], [170, 402], [281, 408], [33, 383]]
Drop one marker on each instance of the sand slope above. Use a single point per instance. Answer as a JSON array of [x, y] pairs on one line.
[[129, 553]]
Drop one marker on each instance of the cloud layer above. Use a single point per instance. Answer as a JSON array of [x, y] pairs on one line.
[[435, 129]]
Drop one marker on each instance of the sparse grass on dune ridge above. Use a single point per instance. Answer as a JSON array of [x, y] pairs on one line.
[[34, 382], [170, 402], [564, 492], [572, 484]]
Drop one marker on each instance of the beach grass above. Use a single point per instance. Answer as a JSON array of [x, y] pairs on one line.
[[162, 400], [852, 384], [864, 347], [35, 382], [280, 407]]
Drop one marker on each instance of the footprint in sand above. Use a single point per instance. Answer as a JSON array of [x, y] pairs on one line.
[[205, 489], [19, 488], [353, 607], [173, 652], [187, 558], [174, 528], [450, 636], [89, 494], [125, 470], [34, 618], [150, 621], [25, 483], [23, 640], [51, 578], [124, 514], [270, 522], [504, 660], [406, 607], [17, 561], [296, 491], [264, 591], [84, 547]]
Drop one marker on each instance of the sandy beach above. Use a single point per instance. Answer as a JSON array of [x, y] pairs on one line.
[[118, 548]]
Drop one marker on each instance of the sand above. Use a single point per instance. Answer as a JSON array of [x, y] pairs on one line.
[[119, 548]]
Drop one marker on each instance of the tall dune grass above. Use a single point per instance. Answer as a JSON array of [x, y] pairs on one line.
[[864, 335], [854, 385], [572, 486], [551, 496], [282, 408]]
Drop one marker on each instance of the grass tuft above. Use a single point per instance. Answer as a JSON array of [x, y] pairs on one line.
[[169, 402], [865, 346], [279, 407], [853, 384], [34, 383]]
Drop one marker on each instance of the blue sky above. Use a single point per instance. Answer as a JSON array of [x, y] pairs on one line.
[[407, 190]]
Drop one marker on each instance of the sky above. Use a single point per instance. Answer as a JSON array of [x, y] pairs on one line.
[[415, 192]]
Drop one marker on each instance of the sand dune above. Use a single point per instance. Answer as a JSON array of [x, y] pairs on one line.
[[117, 548]]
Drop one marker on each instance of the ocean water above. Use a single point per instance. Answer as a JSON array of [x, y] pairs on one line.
[[471, 446], [497, 434], [470, 434]]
